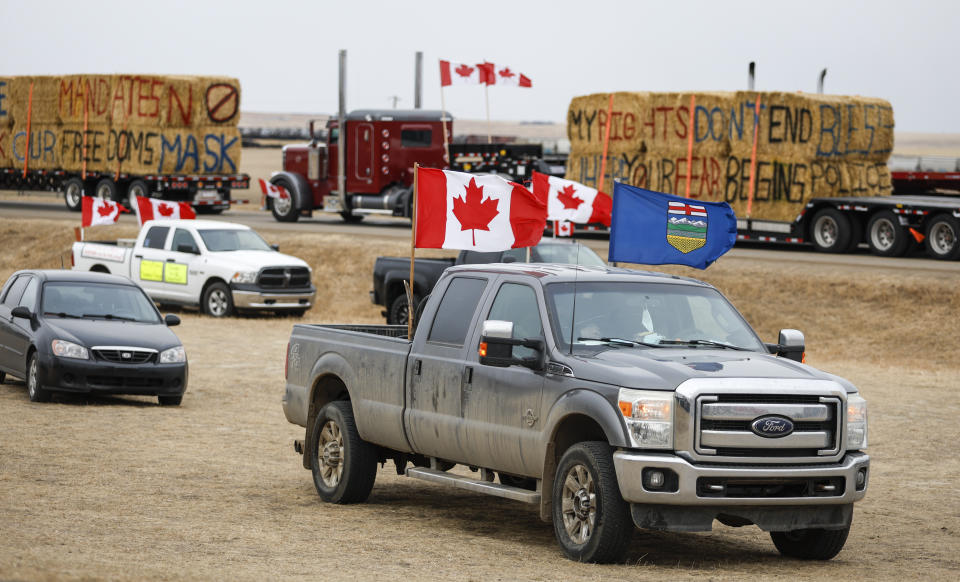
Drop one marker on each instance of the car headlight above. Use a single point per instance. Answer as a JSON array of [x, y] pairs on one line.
[[66, 349], [244, 277], [175, 355], [649, 417], [856, 422]]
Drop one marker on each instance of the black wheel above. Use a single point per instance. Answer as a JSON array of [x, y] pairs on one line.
[[209, 210], [351, 218], [344, 465], [107, 190], [885, 236], [943, 237], [399, 310], [285, 209], [810, 544], [217, 300], [137, 188], [831, 231], [73, 194], [591, 520], [170, 400], [35, 390], [3, 376]]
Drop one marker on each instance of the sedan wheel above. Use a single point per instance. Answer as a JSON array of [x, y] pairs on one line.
[[36, 392]]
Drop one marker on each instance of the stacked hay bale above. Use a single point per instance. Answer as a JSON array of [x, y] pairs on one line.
[[128, 124], [807, 146]]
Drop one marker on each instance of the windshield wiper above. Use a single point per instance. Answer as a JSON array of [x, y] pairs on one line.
[[62, 314], [109, 316], [704, 342], [617, 341]]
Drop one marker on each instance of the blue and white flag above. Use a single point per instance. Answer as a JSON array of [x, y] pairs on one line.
[[652, 228]]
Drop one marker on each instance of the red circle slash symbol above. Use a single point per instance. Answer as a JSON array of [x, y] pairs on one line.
[[223, 102]]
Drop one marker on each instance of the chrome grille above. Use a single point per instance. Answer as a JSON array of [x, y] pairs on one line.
[[284, 277], [125, 356]]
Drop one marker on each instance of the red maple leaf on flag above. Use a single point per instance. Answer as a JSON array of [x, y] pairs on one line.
[[107, 209], [165, 209], [567, 198], [473, 212], [464, 70], [507, 73]]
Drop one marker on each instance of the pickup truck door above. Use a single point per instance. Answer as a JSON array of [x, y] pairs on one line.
[[163, 270], [436, 371], [501, 406], [147, 264]]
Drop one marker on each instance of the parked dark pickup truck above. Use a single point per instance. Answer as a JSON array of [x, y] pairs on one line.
[[604, 396], [389, 273]]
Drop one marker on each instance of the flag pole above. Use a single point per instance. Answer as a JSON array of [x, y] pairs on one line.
[[753, 154], [690, 131], [443, 120], [26, 156], [413, 246], [606, 142], [486, 96]]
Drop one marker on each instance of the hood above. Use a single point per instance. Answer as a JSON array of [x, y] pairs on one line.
[[255, 260], [100, 332], [667, 368]]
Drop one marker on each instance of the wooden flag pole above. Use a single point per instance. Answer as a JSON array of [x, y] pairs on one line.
[[486, 97], [443, 120], [606, 142], [86, 113], [753, 155], [26, 156], [690, 131], [413, 245]]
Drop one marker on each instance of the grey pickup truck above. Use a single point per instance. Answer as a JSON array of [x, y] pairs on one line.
[[607, 397]]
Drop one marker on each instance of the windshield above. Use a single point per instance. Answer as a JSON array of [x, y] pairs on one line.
[[233, 240], [97, 301], [575, 254], [624, 314]]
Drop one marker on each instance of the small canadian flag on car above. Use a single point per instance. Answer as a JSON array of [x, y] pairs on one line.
[[563, 228]]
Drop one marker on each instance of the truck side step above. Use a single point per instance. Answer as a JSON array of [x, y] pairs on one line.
[[462, 482]]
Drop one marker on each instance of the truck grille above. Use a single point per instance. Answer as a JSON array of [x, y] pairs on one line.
[[125, 356], [284, 277], [724, 424]]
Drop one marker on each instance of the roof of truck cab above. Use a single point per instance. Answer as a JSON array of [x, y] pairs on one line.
[[198, 224], [562, 273], [396, 115]]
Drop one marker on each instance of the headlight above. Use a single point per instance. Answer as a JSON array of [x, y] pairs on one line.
[[649, 417], [173, 355], [856, 423], [66, 349], [244, 277]]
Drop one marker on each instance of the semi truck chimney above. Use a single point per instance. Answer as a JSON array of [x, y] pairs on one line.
[[823, 75], [418, 81], [341, 134], [751, 74]]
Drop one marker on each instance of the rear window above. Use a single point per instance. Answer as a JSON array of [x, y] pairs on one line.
[[456, 310], [156, 236]]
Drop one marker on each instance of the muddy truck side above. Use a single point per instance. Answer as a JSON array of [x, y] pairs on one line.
[[608, 398]]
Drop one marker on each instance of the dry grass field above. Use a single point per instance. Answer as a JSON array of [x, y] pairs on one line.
[[120, 488]]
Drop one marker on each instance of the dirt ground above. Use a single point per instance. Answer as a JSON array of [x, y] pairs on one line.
[[120, 488]]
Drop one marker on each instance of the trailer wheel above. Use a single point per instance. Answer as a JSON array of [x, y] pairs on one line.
[[943, 238], [885, 236], [137, 188], [285, 209], [106, 189], [831, 231], [810, 544], [73, 194]]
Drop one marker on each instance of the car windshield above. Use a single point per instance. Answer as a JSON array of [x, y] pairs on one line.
[[221, 240], [626, 314], [76, 299], [575, 254]]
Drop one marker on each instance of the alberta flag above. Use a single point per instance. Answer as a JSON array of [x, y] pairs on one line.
[[652, 228]]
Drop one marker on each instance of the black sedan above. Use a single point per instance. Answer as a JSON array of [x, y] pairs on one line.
[[70, 331]]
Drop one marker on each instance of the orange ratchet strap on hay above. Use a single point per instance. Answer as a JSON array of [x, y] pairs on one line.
[[26, 156], [606, 141], [693, 105], [753, 154], [86, 110]]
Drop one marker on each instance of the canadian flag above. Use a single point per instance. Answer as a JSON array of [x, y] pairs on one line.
[[507, 76], [572, 201], [480, 213], [153, 209], [97, 211], [458, 74], [563, 228], [273, 191]]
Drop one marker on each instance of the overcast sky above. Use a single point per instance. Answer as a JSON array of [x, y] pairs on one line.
[[285, 52]]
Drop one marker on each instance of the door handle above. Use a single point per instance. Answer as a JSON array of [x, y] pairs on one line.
[[138, 256], [468, 376], [171, 260], [416, 367]]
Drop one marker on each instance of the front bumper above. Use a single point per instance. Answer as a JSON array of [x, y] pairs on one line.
[[273, 299], [95, 376]]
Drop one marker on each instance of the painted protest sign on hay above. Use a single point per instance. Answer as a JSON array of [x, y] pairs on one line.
[[807, 146]]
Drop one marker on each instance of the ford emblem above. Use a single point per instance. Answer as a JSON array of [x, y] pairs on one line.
[[772, 427]]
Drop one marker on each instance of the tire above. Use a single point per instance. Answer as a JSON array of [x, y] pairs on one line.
[[350, 218], [3, 376], [35, 390], [285, 209], [591, 521], [106, 189], [399, 312], [137, 188], [344, 466], [73, 194], [943, 238], [831, 231], [885, 236], [810, 544], [170, 400], [217, 300]]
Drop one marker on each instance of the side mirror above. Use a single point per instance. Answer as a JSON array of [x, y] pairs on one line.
[[790, 345], [188, 249], [171, 320], [21, 311], [496, 347], [275, 247]]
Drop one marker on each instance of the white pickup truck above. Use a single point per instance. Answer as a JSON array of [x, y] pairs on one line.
[[221, 267]]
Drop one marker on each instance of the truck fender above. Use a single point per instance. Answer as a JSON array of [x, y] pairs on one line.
[[330, 378], [302, 195], [579, 415]]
